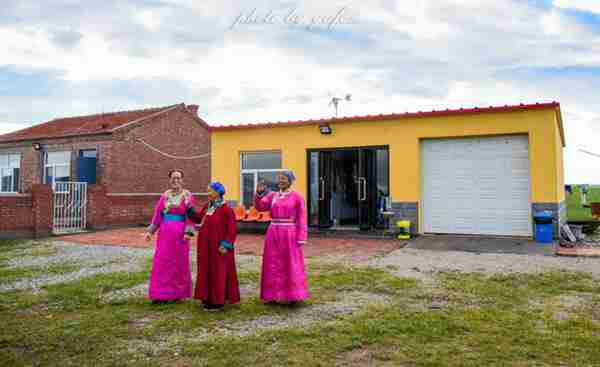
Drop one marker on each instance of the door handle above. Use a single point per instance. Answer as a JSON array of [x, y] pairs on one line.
[[362, 195], [322, 193], [364, 189]]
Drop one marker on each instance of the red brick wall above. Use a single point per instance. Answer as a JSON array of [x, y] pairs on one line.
[[135, 168], [42, 200], [97, 207], [15, 215], [27, 215], [124, 210], [110, 210]]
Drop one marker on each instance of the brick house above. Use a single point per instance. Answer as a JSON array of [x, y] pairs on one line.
[[123, 156]]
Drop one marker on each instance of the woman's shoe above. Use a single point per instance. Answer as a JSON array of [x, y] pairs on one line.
[[212, 308]]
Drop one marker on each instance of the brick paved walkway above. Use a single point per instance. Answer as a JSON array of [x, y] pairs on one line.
[[251, 244]]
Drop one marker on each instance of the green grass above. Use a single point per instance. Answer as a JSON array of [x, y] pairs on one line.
[[575, 210], [13, 274], [500, 331], [17, 248], [500, 320]]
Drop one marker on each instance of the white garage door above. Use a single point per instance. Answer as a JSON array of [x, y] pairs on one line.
[[476, 186]]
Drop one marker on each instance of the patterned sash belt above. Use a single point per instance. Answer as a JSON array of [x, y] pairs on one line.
[[174, 218]]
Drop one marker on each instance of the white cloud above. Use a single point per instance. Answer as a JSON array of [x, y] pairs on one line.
[[583, 5], [399, 56]]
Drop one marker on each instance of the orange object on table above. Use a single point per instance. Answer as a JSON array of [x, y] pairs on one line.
[[252, 215], [240, 212], [264, 217]]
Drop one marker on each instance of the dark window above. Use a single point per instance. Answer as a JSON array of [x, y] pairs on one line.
[[10, 165], [262, 160], [248, 189], [88, 153]]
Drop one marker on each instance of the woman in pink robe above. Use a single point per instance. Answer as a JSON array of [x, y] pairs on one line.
[[170, 279], [283, 277]]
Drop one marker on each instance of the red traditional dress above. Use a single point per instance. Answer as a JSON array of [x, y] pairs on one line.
[[283, 277], [217, 280]]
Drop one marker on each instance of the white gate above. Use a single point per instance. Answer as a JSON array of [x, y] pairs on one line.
[[70, 204]]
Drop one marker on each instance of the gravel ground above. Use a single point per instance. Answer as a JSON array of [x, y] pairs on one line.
[[304, 316], [141, 290], [92, 259], [424, 263], [95, 259], [34, 284], [347, 303], [86, 255]]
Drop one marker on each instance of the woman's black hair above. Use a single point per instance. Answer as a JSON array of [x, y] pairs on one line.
[[175, 170]]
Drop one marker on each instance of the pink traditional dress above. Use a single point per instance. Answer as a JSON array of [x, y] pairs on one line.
[[283, 275], [170, 278]]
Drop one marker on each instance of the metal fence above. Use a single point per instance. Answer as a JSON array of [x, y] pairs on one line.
[[70, 204]]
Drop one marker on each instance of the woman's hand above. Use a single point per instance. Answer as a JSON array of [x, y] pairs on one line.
[[261, 187], [148, 236], [187, 200]]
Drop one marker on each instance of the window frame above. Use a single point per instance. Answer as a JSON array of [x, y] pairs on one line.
[[255, 172], [54, 166], [12, 173]]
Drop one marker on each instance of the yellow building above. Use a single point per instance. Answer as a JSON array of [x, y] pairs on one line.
[[468, 171]]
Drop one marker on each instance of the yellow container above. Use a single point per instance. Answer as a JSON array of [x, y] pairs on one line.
[[403, 229]]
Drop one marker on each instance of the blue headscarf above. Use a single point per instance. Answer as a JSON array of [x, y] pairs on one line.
[[218, 187], [290, 176]]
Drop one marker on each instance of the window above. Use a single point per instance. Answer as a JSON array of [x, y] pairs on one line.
[[10, 165], [260, 166], [261, 161], [57, 167], [88, 153]]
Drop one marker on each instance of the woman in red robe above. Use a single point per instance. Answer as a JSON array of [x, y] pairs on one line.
[[216, 281]]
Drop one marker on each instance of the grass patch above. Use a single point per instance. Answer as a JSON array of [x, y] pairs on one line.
[[514, 290], [457, 337], [9, 275], [11, 245], [364, 279], [575, 209], [10, 249], [66, 324]]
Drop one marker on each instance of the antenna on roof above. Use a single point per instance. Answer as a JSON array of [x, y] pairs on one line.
[[336, 100], [590, 153]]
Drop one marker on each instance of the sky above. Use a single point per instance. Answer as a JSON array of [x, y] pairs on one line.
[[244, 61]]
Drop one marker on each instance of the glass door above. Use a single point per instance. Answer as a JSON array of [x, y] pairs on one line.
[[373, 187], [367, 188], [325, 180], [320, 189], [348, 187]]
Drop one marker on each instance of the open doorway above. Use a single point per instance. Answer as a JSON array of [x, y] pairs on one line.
[[349, 187]]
